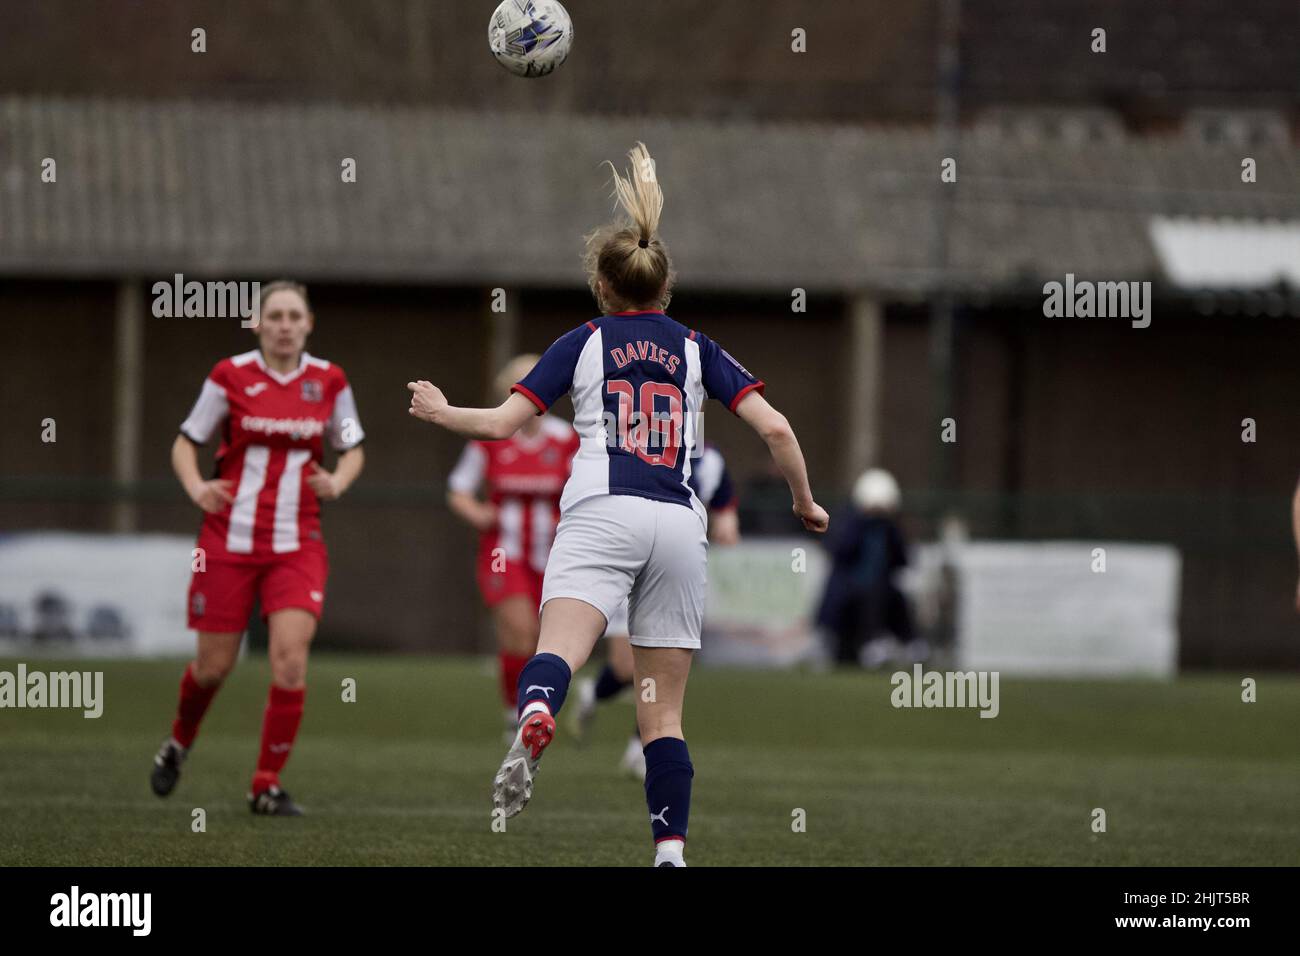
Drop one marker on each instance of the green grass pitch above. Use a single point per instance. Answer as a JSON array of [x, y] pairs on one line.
[[1187, 773]]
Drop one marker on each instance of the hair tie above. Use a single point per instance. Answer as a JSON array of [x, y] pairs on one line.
[[643, 243]]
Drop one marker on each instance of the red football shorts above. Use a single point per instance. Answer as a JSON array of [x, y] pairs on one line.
[[513, 578], [221, 596]]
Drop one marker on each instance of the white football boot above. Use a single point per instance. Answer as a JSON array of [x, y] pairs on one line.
[[584, 710], [669, 853], [633, 760], [512, 787]]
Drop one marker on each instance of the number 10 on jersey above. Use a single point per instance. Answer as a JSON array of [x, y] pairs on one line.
[[653, 434]]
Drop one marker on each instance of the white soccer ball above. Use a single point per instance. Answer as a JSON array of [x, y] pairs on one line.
[[530, 37]]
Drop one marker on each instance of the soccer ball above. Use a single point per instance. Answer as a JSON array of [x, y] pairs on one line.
[[530, 37]]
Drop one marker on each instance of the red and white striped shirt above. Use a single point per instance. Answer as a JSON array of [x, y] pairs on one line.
[[524, 478], [273, 427]]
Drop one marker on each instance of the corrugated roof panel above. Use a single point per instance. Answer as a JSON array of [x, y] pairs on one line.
[[248, 190]]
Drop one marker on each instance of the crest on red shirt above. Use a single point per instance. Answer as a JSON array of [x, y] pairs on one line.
[[311, 390]]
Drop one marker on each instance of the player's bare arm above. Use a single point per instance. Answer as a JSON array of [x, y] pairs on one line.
[[212, 496], [1295, 531], [487, 424], [724, 527], [775, 430], [479, 515]]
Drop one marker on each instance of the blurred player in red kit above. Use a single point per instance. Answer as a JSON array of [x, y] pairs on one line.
[[272, 408], [523, 477]]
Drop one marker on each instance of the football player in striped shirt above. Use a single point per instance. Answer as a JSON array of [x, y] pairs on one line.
[[712, 484], [272, 410], [523, 476], [631, 526]]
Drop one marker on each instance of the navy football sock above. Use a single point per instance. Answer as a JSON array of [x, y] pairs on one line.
[[668, 774], [608, 684], [544, 678]]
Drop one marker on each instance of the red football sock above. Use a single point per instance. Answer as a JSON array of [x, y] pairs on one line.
[[511, 667], [193, 705], [279, 728]]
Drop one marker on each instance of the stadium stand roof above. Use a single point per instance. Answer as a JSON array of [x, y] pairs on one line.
[[221, 189]]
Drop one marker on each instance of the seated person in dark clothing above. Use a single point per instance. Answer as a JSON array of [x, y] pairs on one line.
[[862, 600]]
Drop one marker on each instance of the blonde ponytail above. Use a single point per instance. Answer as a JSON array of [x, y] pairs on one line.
[[628, 254], [639, 194]]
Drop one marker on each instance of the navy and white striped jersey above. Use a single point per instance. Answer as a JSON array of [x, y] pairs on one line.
[[638, 381]]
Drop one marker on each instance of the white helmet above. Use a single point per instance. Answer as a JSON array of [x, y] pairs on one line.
[[876, 490]]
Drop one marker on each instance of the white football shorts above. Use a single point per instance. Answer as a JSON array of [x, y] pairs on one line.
[[617, 624], [652, 554]]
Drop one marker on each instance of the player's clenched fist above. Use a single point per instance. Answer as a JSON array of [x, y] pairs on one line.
[[427, 400], [813, 516]]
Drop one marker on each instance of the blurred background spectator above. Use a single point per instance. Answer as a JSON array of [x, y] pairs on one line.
[[864, 613]]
